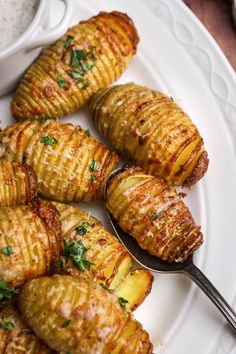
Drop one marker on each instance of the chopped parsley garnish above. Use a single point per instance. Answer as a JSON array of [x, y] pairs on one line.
[[76, 251], [81, 54], [66, 324], [68, 41], [48, 140], [43, 118], [93, 166], [123, 302], [7, 314], [154, 216], [93, 178], [87, 132], [85, 85], [82, 229], [61, 83], [84, 61], [60, 263], [6, 325], [6, 294], [7, 251], [104, 287]]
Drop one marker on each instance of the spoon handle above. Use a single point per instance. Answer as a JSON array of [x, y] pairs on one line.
[[201, 280]]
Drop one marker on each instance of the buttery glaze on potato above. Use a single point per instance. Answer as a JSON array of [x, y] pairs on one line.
[[70, 164], [30, 239], [90, 56], [16, 337], [153, 213], [18, 183], [75, 315], [110, 262], [149, 128]]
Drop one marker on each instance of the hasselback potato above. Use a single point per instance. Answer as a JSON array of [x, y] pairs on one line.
[[91, 55], [30, 239], [16, 337], [70, 164], [75, 315], [149, 128], [18, 183], [92, 249], [153, 213]]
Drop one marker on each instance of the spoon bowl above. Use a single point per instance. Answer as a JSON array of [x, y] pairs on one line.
[[157, 265]]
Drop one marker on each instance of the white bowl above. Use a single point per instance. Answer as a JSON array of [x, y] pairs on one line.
[[15, 58]]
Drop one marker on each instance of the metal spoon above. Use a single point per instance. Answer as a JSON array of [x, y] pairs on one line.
[[155, 264]]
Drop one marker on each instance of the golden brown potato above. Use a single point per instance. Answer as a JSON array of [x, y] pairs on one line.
[[149, 128], [153, 213], [92, 249], [74, 314], [16, 337], [91, 55], [18, 183], [30, 239], [70, 164]]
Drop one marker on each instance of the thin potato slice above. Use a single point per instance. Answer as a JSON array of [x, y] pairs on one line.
[[90, 56], [151, 211], [70, 164], [106, 260], [18, 183], [30, 239], [150, 129], [16, 337], [74, 314]]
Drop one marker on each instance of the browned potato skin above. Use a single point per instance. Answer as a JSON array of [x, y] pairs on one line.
[[153, 213], [33, 232], [97, 323], [63, 169], [112, 263], [20, 338], [151, 130], [18, 183], [115, 39]]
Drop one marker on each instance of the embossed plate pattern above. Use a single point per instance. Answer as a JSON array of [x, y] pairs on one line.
[[177, 55]]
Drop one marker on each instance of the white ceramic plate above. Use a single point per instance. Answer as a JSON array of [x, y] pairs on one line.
[[178, 56]]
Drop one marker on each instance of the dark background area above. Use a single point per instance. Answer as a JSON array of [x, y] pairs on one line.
[[216, 15]]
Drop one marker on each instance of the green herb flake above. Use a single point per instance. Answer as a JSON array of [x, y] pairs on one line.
[[154, 216], [61, 83], [93, 166], [76, 251], [123, 303], [74, 59], [82, 229], [87, 132], [93, 178], [60, 263], [81, 54], [7, 314], [48, 140], [7, 251], [68, 41], [85, 85], [85, 66], [66, 324], [6, 294], [43, 118], [6, 325], [105, 288]]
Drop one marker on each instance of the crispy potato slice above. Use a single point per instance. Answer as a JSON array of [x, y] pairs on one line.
[[75, 314], [18, 183], [109, 262], [70, 164], [135, 287], [30, 240], [149, 128], [16, 337], [153, 213], [91, 55]]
